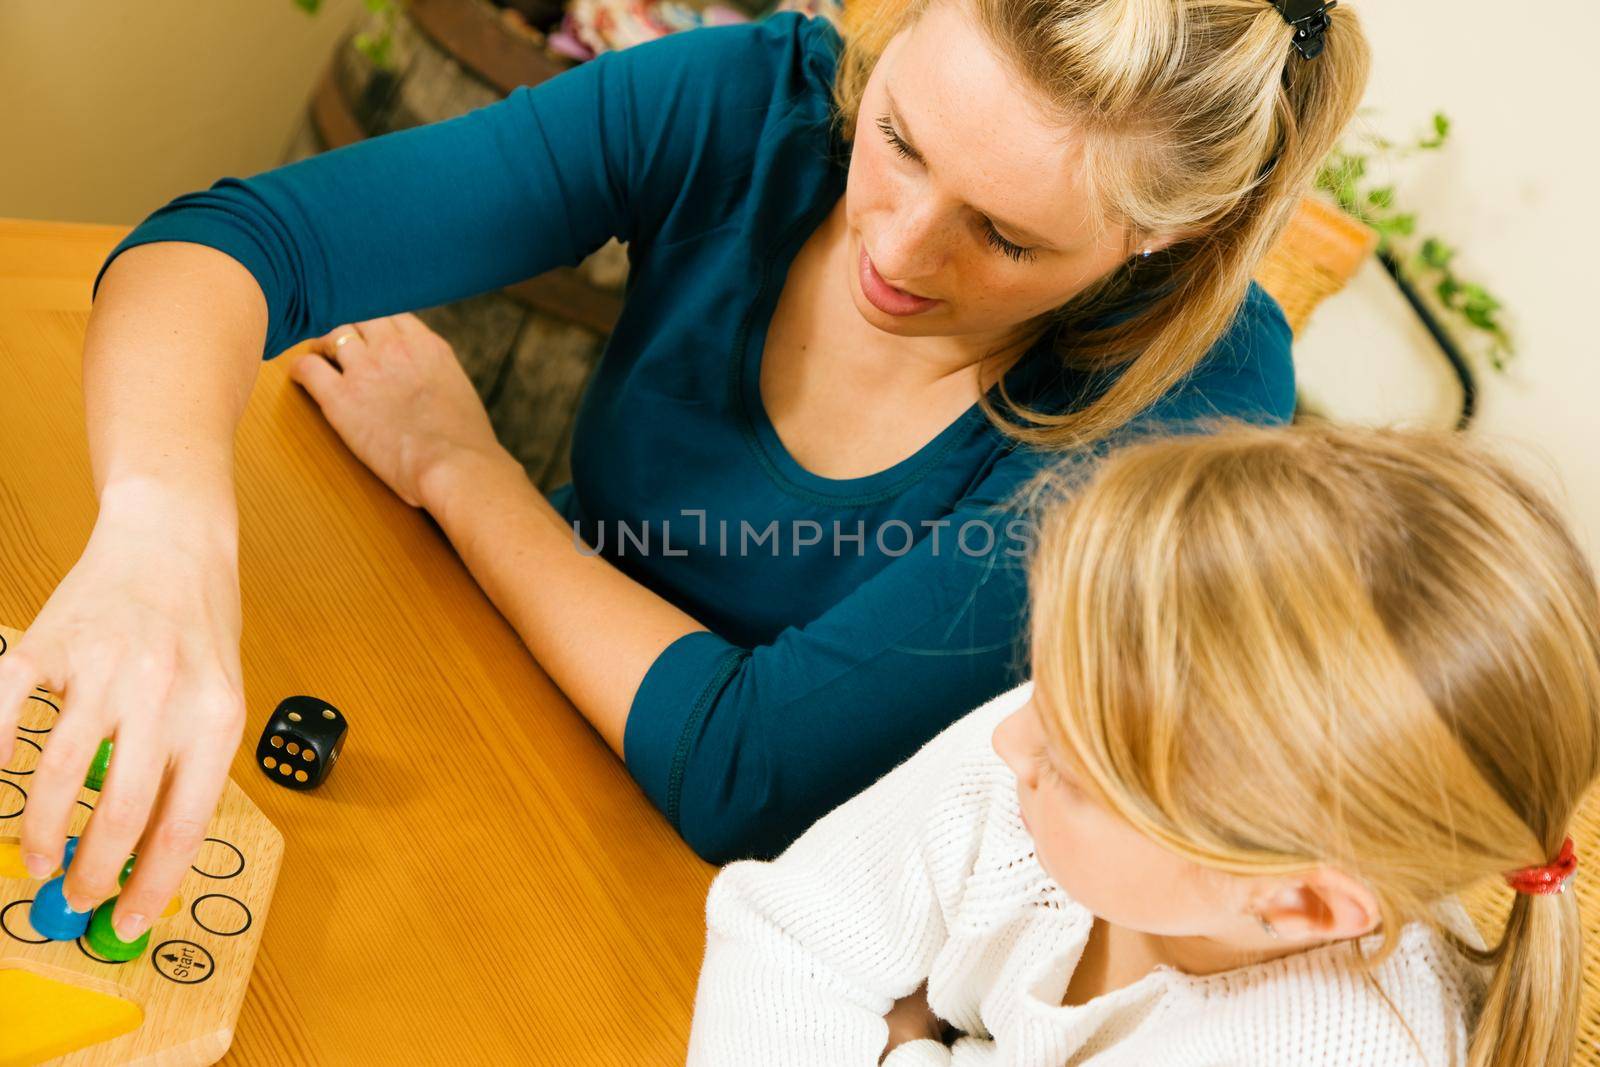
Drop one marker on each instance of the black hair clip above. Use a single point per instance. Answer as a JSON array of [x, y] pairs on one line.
[[1309, 19]]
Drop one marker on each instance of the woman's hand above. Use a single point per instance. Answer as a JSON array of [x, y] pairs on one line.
[[141, 639], [394, 390], [912, 1020]]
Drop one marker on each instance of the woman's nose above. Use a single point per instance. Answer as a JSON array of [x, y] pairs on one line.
[[910, 248]]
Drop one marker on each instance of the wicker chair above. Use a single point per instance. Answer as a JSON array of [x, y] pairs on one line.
[[1318, 253]]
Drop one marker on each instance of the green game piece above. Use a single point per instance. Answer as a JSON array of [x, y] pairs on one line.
[[127, 871], [104, 942], [97, 769]]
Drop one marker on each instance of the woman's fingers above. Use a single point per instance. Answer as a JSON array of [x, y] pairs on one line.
[[411, 327], [342, 345], [137, 762], [176, 833], [18, 676], [377, 331], [69, 748], [319, 377]]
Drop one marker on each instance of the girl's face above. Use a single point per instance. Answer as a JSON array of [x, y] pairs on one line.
[[959, 191], [1098, 857], [1210, 919]]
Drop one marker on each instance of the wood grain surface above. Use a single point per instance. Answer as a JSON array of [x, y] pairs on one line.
[[480, 881]]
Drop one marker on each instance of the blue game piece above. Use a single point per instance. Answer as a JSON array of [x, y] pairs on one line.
[[51, 916], [72, 850]]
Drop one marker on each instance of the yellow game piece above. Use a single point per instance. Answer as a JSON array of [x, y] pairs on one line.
[[41, 1018], [11, 861]]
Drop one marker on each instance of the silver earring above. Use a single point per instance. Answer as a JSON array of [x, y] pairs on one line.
[[1266, 924], [1145, 254]]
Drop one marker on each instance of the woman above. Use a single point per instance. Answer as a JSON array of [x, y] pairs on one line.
[[874, 283]]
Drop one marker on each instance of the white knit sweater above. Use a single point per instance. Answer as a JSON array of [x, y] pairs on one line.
[[929, 874]]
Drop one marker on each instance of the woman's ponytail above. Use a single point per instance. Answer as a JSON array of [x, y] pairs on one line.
[[1205, 278], [1530, 1009], [1211, 133]]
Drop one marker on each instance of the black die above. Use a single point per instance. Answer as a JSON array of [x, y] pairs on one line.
[[301, 742]]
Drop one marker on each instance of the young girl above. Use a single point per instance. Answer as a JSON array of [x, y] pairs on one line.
[[1292, 690]]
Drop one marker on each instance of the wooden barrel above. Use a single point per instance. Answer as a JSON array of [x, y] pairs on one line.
[[530, 348]]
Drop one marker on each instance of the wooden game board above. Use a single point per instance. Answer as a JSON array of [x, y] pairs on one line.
[[174, 1006]]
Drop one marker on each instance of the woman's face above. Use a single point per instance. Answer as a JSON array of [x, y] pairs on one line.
[[988, 214]]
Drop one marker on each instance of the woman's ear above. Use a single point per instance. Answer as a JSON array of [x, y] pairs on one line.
[[1322, 904], [1161, 242]]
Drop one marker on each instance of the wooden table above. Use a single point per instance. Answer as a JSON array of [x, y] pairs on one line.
[[480, 882]]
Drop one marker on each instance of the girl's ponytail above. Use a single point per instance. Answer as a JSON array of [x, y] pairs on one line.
[[1530, 1009]]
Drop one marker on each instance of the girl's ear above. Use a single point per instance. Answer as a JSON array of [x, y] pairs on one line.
[[1322, 904]]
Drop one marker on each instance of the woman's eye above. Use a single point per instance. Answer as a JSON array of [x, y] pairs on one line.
[[1016, 252], [894, 138], [998, 243]]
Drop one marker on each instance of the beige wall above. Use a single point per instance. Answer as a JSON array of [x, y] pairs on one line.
[[113, 107], [1515, 193]]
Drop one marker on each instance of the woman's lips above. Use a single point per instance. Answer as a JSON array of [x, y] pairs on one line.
[[885, 297]]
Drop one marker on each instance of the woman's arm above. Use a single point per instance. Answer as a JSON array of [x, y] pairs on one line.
[[423, 216], [142, 635], [593, 629]]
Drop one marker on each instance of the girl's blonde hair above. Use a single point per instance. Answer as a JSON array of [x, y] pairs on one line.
[[1199, 120], [1375, 650]]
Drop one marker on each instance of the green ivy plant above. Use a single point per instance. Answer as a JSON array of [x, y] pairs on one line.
[[1427, 264], [376, 44]]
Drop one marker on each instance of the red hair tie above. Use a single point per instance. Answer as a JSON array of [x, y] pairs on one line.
[[1551, 878]]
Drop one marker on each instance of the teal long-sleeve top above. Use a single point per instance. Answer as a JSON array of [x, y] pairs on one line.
[[849, 619]]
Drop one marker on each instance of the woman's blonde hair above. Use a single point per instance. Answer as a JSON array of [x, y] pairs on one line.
[[1375, 650], [1199, 120]]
